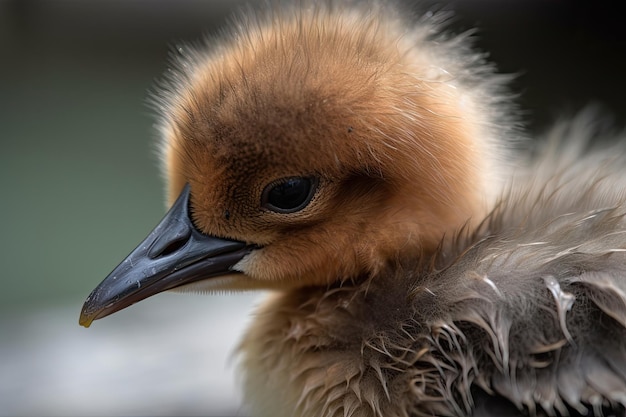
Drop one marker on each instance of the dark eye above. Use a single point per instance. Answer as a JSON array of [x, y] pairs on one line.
[[289, 195]]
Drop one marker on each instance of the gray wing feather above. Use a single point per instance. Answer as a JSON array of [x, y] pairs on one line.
[[537, 294]]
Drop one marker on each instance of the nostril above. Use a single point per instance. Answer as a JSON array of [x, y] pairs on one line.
[[170, 241], [173, 247]]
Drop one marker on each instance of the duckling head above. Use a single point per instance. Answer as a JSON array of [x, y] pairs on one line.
[[314, 146]]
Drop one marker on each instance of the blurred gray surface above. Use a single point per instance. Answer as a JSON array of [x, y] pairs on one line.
[[81, 187], [171, 356]]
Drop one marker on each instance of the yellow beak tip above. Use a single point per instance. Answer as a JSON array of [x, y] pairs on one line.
[[85, 321]]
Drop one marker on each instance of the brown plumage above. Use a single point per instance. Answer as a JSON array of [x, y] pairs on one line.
[[359, 165]]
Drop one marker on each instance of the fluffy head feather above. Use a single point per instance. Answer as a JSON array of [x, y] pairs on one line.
[[398, 123]]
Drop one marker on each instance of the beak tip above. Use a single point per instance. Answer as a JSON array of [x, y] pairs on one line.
[[86, 318], [85, 321]]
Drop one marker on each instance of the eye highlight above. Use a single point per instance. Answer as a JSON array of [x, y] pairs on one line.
[[289, 195]]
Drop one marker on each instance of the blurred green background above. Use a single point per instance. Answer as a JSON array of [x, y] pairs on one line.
[[81, 187]]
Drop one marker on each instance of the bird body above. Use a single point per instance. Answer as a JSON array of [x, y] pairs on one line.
[[359, 165], [530, 307]]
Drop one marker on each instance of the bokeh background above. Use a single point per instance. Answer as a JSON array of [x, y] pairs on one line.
[[81, 187]]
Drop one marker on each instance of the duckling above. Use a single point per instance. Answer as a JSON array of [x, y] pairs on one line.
[[357, 163]]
